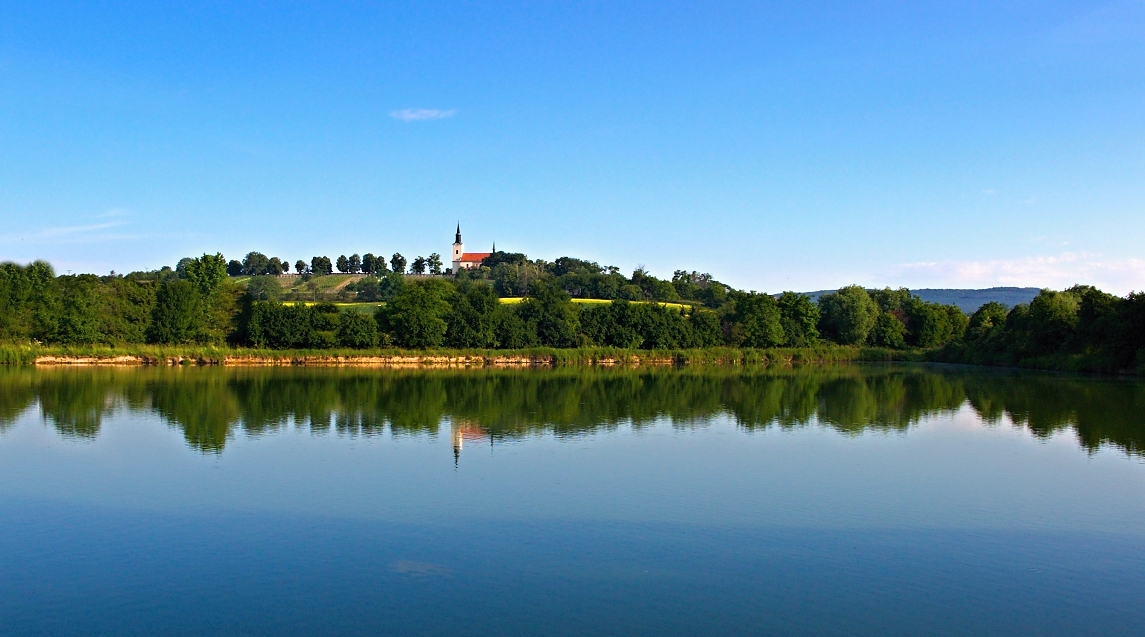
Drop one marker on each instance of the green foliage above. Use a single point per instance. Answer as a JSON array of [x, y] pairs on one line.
[[80, 311], [799, 317], [847, 316], [470, 324], [357, 330], [177, 317], [755, 321], [888, 332], [263, 288], [550, 315], [321, 266], [255, 264], [416, 317]]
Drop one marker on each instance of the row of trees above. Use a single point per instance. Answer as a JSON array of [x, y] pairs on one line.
[[258, 264], [1081, 328], [198, 303]]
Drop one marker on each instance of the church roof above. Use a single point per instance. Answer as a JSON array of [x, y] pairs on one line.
[[475, 256]]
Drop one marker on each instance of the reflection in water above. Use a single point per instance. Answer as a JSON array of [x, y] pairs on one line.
[[209, 405]]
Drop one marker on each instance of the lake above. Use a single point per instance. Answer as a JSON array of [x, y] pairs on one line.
[[844, 500]]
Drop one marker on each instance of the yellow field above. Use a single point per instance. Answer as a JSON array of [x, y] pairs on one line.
[[678, 306]]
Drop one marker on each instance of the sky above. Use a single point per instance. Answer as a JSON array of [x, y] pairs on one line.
[[801, 145]]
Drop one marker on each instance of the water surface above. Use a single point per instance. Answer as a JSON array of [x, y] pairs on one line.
[[851, 500]]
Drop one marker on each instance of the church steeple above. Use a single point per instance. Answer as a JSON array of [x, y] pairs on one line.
[[458, 239]]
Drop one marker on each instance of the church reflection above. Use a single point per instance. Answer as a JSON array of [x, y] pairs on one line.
[[461, 430]]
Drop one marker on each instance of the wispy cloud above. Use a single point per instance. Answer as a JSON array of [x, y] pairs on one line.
[[1119, 276], [83, 233], [421, 114]]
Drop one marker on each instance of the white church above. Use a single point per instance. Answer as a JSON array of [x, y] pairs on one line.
[[463, 260]]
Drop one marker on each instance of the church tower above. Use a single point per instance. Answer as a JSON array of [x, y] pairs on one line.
[[458, 250]]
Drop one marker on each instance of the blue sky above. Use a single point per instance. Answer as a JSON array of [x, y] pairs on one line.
[[776, 145]]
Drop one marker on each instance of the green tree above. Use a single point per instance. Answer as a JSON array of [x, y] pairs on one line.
[[418, 265], [986, 323], [321, 266], [177, 316], [888, 332], [357, 330], [550, 314], [799, 316], [81, 310], [300, 266], [470, 324], [398, 263], [434, 263], [755, 320], [207, 274], [355, 263], [343, 264], [847, 316], [255, 263], [416, 317]]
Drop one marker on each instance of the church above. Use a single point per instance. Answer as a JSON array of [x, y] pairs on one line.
[[463, 260]]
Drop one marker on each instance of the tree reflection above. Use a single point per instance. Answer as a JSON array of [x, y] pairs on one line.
[[209, 406]]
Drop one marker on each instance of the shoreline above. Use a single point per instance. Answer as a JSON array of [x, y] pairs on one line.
[[145, 356]]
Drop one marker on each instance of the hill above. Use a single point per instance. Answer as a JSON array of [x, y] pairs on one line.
[[966, 300]]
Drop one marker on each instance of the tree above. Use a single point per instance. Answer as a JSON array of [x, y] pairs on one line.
[[320, 266], [987, 322], [418, 266], [755, 320], [416, 317], [177, 316], [369, 263], [255, 263], [263, 288], [355, 263], [343, 264], [357, 330], [207, 274], [81, 311], [398, 263], [234, 268], [888, 332], [276, 266], [434, 263], [847, 316], [799, 316], [550, 314], [470, 324], [300, 266]]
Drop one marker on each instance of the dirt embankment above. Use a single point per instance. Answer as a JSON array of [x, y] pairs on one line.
[[394, 361]]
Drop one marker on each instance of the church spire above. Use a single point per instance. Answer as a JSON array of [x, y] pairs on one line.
[[458, 240]]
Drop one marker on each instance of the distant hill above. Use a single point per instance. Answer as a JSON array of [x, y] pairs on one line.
[[967, 300]]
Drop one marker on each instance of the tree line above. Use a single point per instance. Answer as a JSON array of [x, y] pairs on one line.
[[198, 302], [258, 264]]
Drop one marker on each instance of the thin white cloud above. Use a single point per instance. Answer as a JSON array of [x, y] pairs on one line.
[[421, 114], [1119, 276], [89, 233]]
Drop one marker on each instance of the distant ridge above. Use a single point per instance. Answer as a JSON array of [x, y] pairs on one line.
[[966, 300]]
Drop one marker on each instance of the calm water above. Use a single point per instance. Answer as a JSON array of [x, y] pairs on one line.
[[858, 500]]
